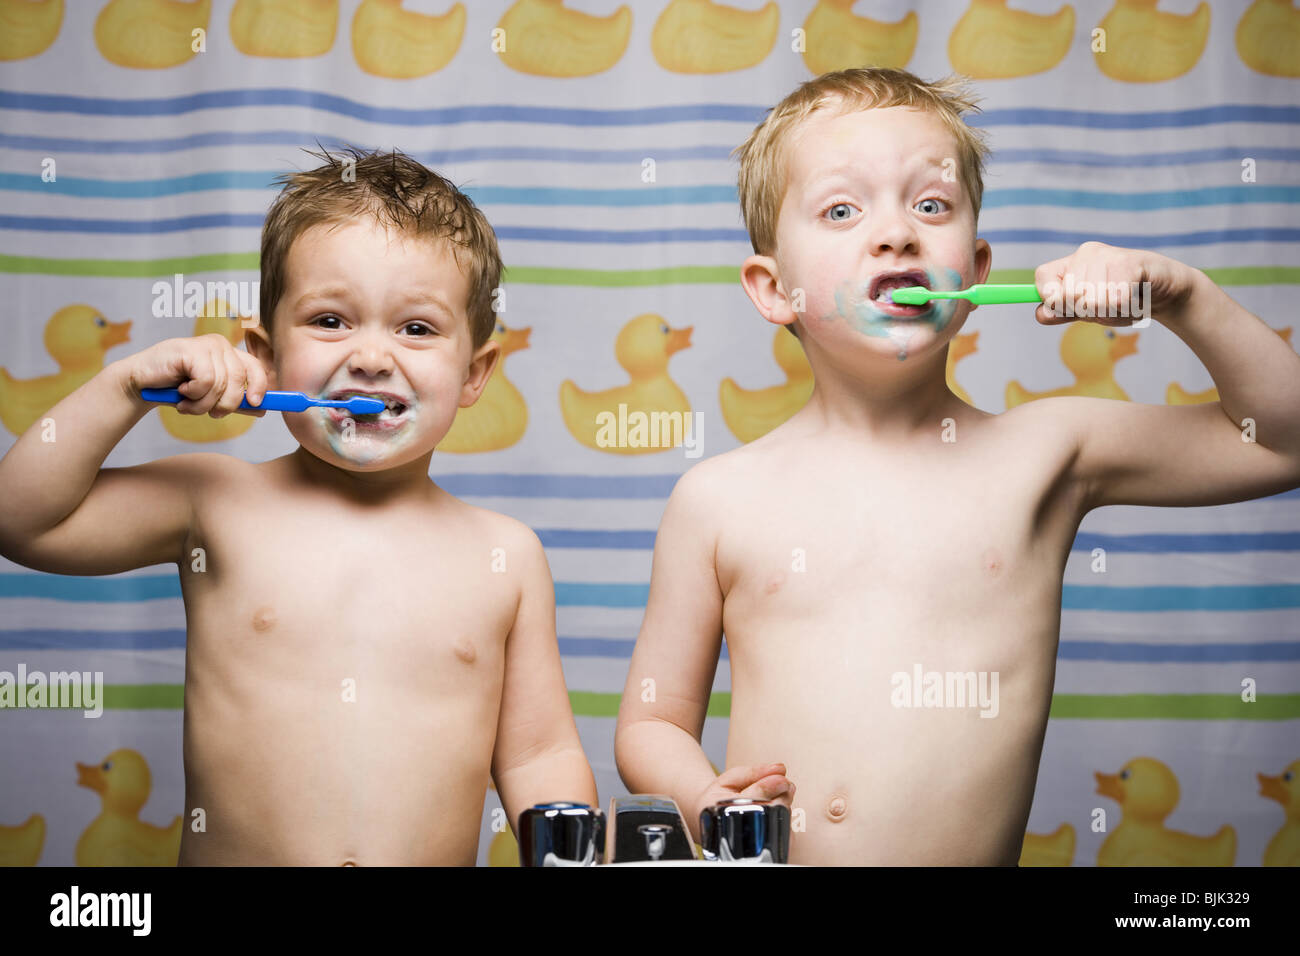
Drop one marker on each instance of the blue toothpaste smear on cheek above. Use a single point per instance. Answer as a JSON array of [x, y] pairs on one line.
[[942, 310]]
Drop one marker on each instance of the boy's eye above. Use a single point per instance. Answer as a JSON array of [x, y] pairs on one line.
[[840, 211], [932, 212], [320, 319], [420, 327]]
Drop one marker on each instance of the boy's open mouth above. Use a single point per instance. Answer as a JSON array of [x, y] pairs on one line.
[[884, 283], [395, 407]]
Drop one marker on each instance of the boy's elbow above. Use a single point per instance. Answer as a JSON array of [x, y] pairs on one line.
[[20, 547], [624, 733], [12, 535], [631, 744], [31, 554]]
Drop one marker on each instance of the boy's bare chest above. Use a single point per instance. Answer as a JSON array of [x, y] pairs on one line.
[[278, 582], [901, 544]]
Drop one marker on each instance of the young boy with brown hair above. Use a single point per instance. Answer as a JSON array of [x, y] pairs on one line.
[[363, 649], [889, 532]]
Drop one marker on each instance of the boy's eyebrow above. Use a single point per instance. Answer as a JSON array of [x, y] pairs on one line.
[[930, 167], [332, 292], [432, 298], [339, 292], [854, 169]]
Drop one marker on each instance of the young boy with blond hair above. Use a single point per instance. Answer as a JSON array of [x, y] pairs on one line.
[[888, 530], [363, 649]]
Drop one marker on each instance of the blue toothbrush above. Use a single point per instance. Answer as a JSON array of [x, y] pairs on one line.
[[278, 401]]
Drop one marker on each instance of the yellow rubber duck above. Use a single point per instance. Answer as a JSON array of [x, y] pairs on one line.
[[1284, 848], [400, 44], [752, 413], [22, 845], [117, 837], [1175, 394], [76, 337], [1147, 791], [504, 849], [500, 416], [963, 345], [700, 36], [1144, 45], [220, 318], [28, 28], [150, 34], [991, 42], [643, 348], [545, 39], [1090, 351], [1268, 38], [284, 28], [836, 39], [1051, 849]]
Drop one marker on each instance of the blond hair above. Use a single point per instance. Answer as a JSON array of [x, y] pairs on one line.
[[399, 193], [764, 160]]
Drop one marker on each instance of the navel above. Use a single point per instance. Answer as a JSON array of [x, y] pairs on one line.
[[837, 808], [264, 618]]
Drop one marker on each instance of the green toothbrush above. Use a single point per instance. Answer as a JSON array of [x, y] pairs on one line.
[[992, 294]]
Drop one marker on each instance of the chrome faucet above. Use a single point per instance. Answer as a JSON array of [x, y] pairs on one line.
[[646, 827], [561, 834], [746, 830]]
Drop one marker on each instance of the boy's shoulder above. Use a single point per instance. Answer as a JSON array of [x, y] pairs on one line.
[[793, 446], [723, 477], [768, 453], [497, 529], [199, 467]]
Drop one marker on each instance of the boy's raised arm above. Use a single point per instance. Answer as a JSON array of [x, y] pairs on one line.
[[666, 698], [1246, 445], [63, 513]]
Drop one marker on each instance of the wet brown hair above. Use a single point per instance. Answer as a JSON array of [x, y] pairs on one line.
[[400, 193]]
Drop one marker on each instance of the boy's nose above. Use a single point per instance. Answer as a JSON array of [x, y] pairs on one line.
[[370, 355], [893, 231]]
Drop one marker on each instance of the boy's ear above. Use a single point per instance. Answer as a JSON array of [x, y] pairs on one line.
[[258, 344], [481, 367], [758, 274], [983, 263]]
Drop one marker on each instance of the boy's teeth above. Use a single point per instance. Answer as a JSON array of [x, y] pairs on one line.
[[388, 411], [887, 287]]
